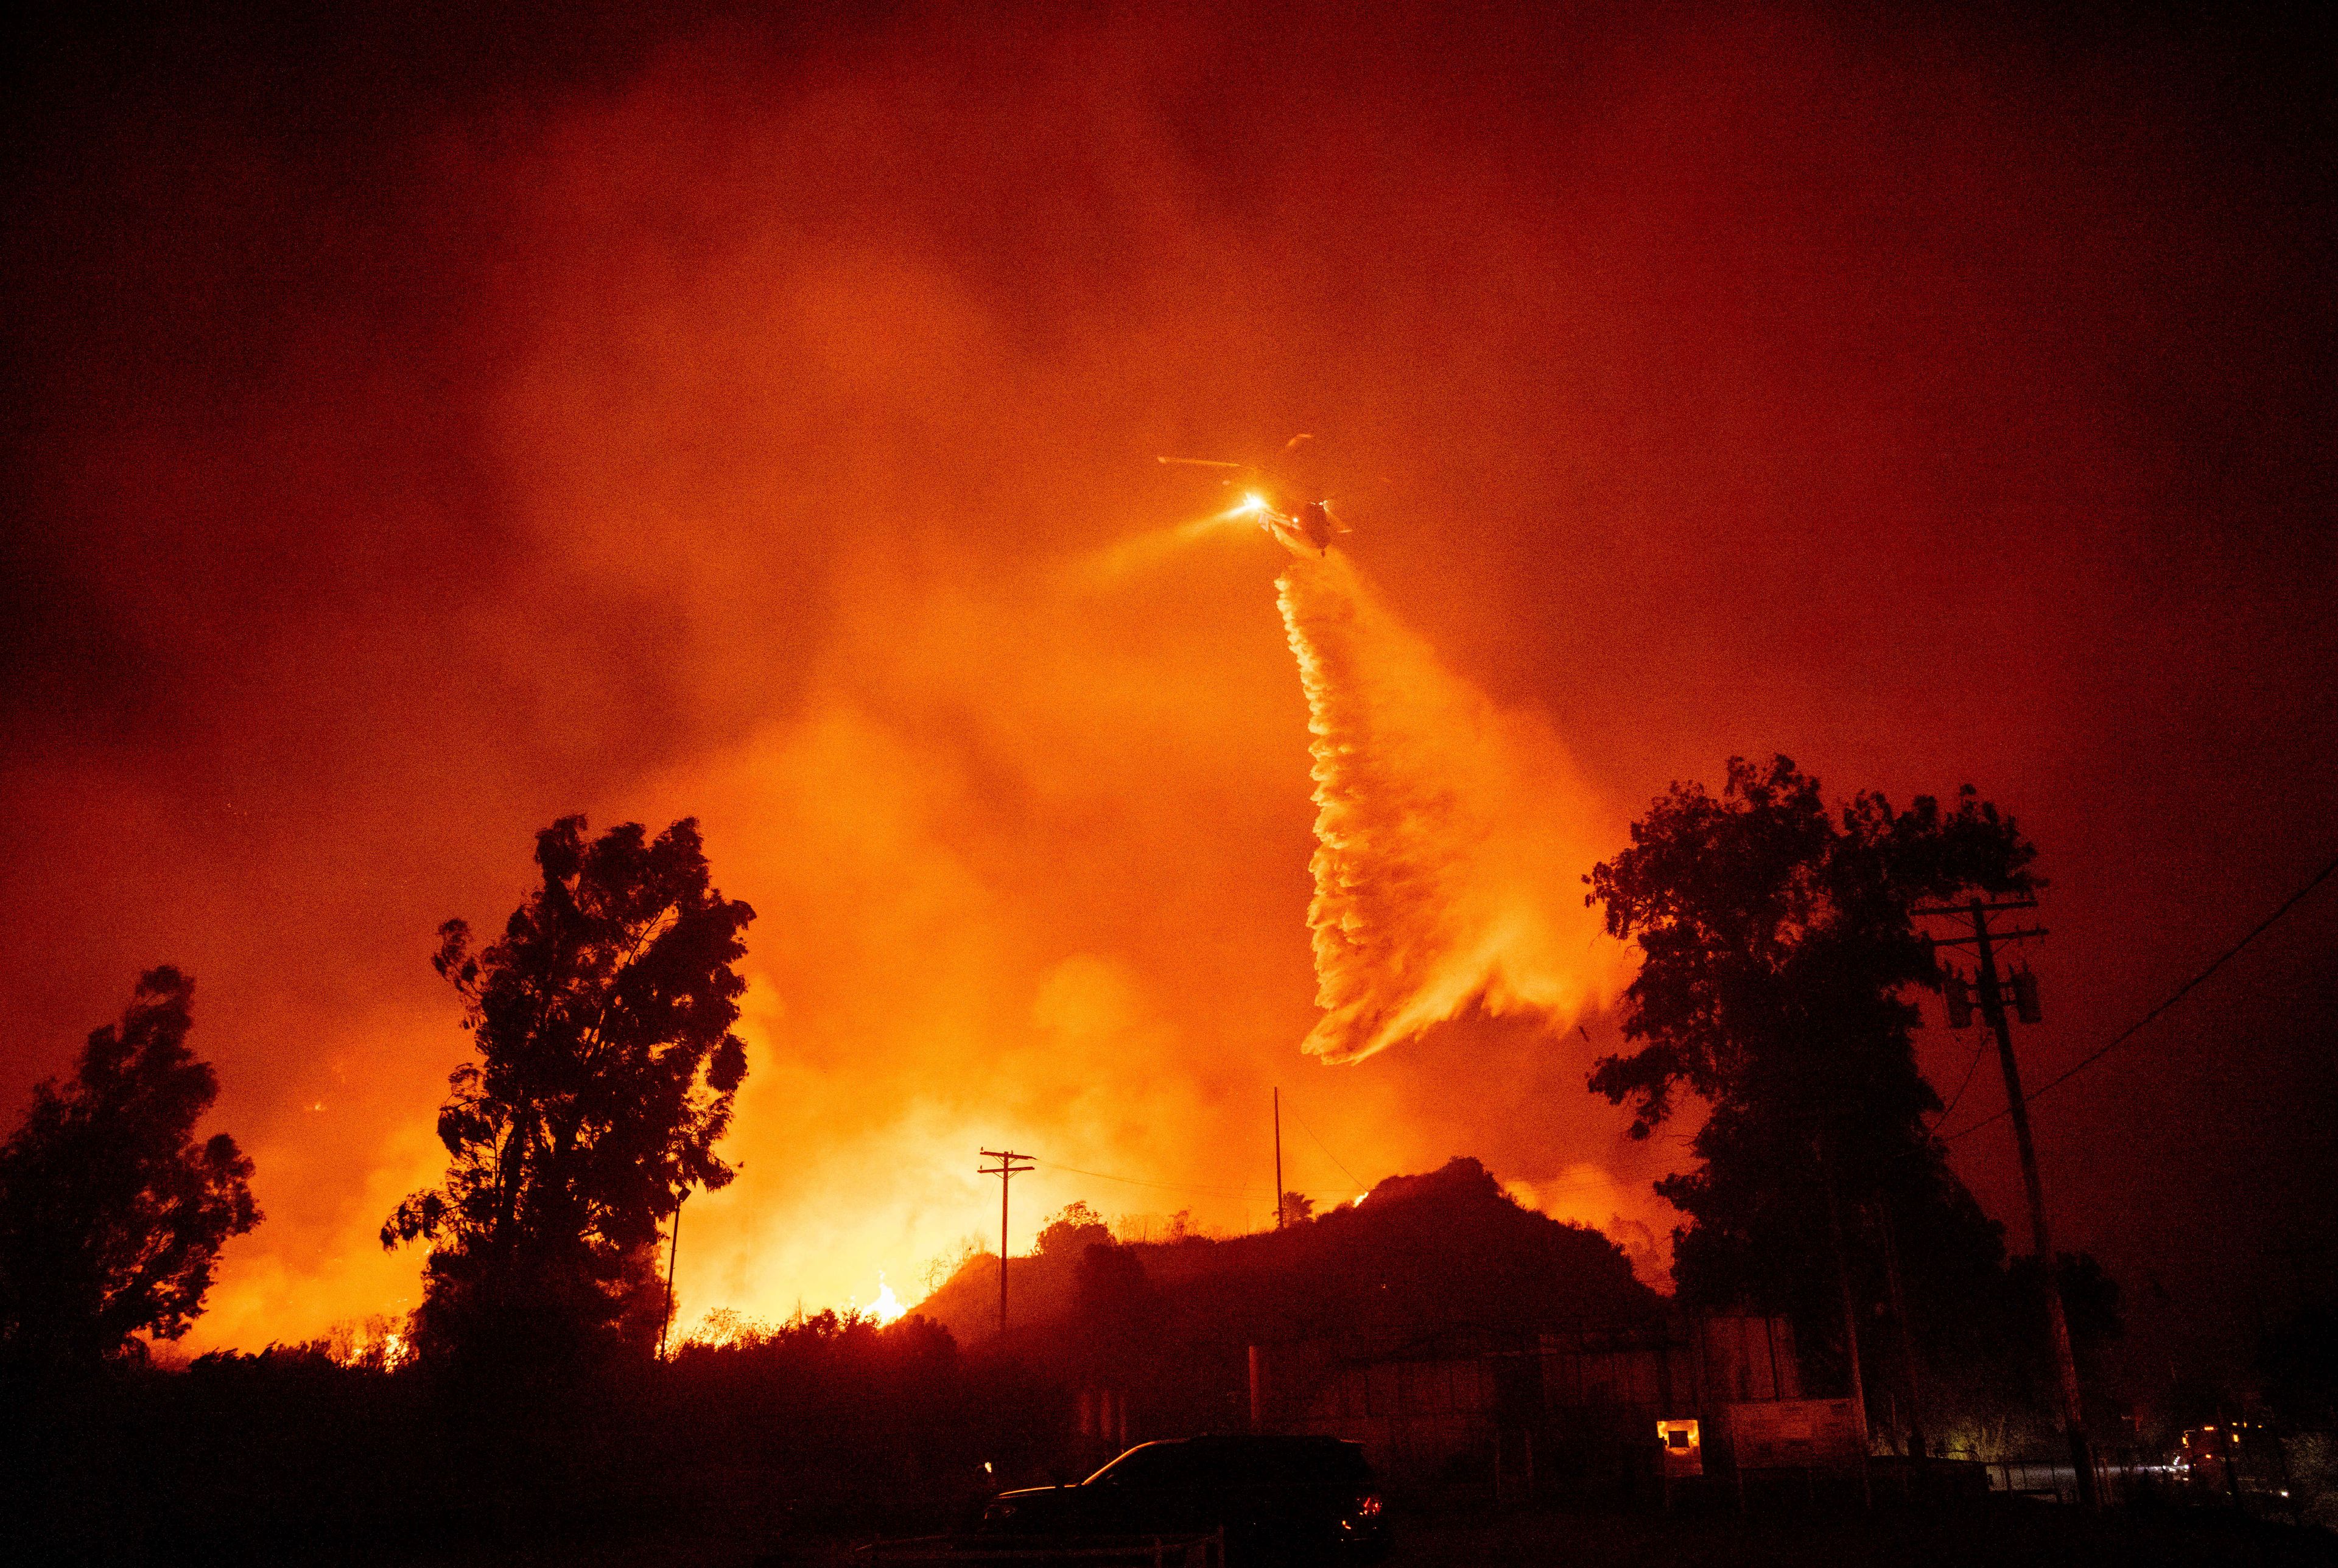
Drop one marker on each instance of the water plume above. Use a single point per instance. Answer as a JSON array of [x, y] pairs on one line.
[[1452, 834]]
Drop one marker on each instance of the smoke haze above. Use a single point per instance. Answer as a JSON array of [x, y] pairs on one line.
[[423, 429]]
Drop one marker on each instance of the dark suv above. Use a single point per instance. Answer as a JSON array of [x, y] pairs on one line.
[[1292, 1499]]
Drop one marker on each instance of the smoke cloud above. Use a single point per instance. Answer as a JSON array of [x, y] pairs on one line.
[[1452, 834], [419, 438]]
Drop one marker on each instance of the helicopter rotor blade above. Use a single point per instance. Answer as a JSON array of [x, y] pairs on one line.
[[1199, 463]]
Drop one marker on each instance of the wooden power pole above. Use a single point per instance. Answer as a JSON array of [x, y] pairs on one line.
[[1278, 1158], [1910, 1366], [1857, 1399], [1010, 1165], [673, 1251], [1992, 1011]]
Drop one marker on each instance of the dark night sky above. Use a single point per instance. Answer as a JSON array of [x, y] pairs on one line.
[[422, 426]]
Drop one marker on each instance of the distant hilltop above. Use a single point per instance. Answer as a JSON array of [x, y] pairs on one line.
[[1418, 1255]]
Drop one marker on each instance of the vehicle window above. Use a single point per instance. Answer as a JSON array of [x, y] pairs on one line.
[[1146, 1464], [1238, 1462], [1318, 1463], [1222, 1462], [1280, 1462]]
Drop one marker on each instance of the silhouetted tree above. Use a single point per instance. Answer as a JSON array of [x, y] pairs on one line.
[[943, 1267], [1110, 1283], [1297, 1206], [606, 1075], [110, 1213], [1071, 1231], [1119, 1314], [1777, 953]]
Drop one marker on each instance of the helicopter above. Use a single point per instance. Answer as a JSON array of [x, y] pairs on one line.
[[1288, 511]]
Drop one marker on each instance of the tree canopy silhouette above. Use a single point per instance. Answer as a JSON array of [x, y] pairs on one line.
[[110, 1213], [1071, 1231], [605, 1076], [1777, 952]]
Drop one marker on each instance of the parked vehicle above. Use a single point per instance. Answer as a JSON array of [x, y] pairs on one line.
[[1277, 1499]]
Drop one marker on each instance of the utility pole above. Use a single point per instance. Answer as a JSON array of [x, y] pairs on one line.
[[1850, 1316], [1907, 1334], [1010, 1165], [1992, 1010], [1278, 1158], [673, 1249]]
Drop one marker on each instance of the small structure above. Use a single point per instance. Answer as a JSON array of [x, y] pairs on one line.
[[1583, 1402], [1808, 1435]]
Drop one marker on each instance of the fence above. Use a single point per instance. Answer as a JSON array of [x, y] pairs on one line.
[[2121, 1479]]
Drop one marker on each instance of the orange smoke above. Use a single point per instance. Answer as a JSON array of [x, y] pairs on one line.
[[725, 457], [1452, 834]]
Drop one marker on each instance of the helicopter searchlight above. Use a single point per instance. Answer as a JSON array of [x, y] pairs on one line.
[[1293, 514]]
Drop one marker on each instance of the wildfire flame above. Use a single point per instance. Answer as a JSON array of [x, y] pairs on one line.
[[373, 1342], [887, 1308], [1452, 834]]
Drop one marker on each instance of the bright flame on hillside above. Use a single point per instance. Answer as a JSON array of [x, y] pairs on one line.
[[375, 1343], [887, 1308], [1452, 834]]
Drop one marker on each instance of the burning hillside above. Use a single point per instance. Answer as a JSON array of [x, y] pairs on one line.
[[1449, 1249]]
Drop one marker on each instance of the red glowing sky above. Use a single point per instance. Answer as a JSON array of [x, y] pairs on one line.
[[416, 438]]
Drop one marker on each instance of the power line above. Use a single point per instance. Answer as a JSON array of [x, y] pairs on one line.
[[2130, 1032], [1334, 1159], [1140, 1182], [1972, 1067], [1536, 1182]]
